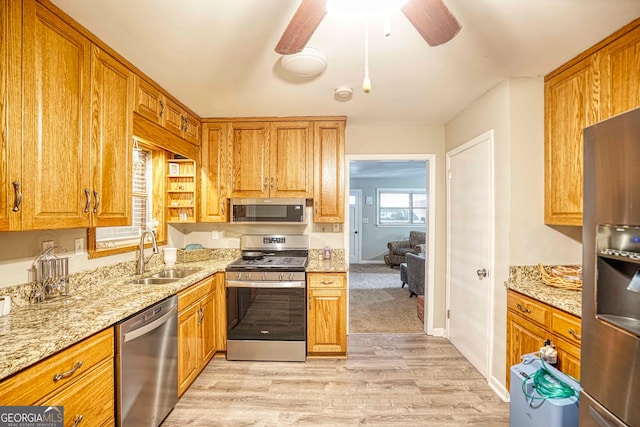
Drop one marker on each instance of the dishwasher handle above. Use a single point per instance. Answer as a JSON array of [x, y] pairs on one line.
[[129, 336]]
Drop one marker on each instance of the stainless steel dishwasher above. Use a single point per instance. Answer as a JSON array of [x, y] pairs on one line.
[[147, 365]]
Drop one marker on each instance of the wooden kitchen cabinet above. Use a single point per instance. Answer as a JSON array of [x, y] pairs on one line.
[[10, 115], [221, 313], [112, 95], [271, 159], [196, 330], [328, 186], [85, 387], [326, 314], [530, 323], [178, 121], [214, 173], [56, 114], [601, 82], [181, 191]]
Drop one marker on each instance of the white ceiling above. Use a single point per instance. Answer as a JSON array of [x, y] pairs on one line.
[[217, 57]]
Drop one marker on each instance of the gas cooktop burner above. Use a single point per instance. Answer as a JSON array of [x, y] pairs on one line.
[[288, 263], [273, 252]]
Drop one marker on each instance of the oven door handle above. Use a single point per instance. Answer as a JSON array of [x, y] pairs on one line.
[[266, 284]]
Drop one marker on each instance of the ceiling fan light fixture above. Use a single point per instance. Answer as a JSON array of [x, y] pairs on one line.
[[308, 63], [362, 8]]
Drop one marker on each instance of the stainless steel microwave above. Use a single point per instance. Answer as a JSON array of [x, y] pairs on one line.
[[268, 211]]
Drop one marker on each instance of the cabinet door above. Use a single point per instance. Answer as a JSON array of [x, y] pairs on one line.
[[10, 114], [619, 77], [571, 104], [249, 161], [188, 344], [208, 328], [327, 326], [191, 130], [291, 160], [173, 117], [328, 183], [149, 102], [111, 136], [57, 78], [213, 173], [522, 337], [568, 358]]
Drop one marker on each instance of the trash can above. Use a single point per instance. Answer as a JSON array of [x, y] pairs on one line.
[[529, 405]]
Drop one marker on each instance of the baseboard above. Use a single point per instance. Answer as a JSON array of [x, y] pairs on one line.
[[499, 389], [437, 332]]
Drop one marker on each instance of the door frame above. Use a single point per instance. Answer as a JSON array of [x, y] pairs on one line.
[[358, 239], [430, 160], [487, 136]]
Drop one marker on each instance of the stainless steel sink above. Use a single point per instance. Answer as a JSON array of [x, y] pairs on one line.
[[154, 281], [175, 273]]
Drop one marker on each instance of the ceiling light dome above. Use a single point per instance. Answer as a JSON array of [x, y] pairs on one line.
[[310, 62]]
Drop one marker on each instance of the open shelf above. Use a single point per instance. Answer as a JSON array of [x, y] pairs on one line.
[[181, 191]]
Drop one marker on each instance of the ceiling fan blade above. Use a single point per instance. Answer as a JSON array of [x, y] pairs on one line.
[[432, 19], [301, 27]]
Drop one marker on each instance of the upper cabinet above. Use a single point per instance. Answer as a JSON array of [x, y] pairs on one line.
[[111, 136], [56, 114], [598, 84], [10, 115], [271, 159], [152, 104], [328, 183], [213, 173]]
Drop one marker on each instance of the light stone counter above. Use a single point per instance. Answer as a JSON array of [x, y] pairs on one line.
[[336, 264], [99, 299], [527, 281]]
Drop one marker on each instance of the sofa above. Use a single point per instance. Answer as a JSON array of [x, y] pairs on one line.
[[416, 273], [399, 249]]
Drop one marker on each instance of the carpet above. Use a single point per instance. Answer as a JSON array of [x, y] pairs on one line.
[[374, 281], [383, 310]]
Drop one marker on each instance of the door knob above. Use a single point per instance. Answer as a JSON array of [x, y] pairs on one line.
[[482, 273]]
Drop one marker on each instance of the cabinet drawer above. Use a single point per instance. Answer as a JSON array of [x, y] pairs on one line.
[[30, 385], [326, 280], [566, 326], [195, 292], [528, 308], [91, 398]]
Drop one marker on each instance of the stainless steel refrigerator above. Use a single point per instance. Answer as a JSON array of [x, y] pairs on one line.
[[610, 359]]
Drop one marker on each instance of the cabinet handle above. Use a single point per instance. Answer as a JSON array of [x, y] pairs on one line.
[[87, 194], [316, 203], [161, 108], [327, 283], [18, 201], [309, 298], [272, 182], [95, 196], [266, 184], [58, 377], [523, 309], [328, 298], [201, 315], [574, 334], [78, 420]]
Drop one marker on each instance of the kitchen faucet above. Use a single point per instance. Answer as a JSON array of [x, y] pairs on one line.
[[141, 261]]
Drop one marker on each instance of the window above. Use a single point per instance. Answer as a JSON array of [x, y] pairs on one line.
[[401, 206], [112, 237]]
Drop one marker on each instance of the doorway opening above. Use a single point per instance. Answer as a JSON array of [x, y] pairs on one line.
[[389, 196]]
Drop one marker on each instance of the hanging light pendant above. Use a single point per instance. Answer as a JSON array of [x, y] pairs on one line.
[[366, 83]]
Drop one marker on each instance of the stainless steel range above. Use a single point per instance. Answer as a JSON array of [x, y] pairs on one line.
[[266, 299]]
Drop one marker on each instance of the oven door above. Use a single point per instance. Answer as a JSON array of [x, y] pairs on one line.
[[266, 311]]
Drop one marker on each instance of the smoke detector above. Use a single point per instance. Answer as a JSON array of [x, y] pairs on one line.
[[343, 93]]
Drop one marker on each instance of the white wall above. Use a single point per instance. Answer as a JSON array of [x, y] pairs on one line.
[[514, 109]]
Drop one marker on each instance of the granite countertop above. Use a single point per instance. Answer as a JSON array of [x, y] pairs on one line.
[[527, 281], [99, 299]]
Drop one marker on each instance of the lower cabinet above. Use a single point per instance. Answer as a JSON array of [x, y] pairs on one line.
[[326, 314], [80, 378], [531, 322], [196, 330]]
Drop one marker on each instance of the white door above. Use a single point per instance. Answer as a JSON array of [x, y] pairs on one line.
[[355, 221], [469, 247]]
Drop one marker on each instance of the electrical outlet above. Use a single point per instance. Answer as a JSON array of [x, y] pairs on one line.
[[215, 235], [79, 245], [336, 228], [46, 244]]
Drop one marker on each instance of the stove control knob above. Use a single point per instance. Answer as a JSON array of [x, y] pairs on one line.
[[247, 276], [264, 276], [290, 276], [281, 277], [239, 276]]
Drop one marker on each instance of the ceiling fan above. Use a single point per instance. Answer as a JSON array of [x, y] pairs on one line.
[[431, 18]]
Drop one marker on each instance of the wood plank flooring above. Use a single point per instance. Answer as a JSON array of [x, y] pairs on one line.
[[387, 379]]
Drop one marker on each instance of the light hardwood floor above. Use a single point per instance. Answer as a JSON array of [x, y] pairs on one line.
[[387, 379]]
